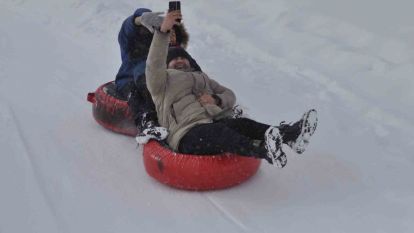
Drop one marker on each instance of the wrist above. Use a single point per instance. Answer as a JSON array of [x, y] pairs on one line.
[[164, 30], [217, 99], [137, 21]]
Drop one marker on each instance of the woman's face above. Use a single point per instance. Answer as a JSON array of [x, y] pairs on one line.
[[179, 63]]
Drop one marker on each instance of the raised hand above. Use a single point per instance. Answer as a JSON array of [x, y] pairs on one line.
[[170, 20]]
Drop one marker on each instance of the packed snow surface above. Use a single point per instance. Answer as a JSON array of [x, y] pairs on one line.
[[352, 60]]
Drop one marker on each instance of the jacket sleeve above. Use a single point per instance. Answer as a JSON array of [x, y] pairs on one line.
[[156, 68], [129, 28], [227, 96], [124, 37], [128, 33]]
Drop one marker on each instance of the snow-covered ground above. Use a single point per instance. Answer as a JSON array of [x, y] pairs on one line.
[[352, 60]]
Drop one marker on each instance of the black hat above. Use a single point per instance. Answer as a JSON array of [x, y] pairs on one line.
[[174, 52]]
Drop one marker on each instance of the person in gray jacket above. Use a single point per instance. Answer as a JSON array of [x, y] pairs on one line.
[[194, 108]]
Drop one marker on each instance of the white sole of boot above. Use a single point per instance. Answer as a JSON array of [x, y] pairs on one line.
[[309, 124], [273, 145]]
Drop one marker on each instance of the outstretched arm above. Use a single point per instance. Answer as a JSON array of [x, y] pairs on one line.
[[156, 69], [130, 32]]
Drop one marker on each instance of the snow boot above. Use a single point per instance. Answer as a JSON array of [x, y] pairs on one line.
[[273, 144], [148, 129], [297, 135], [153, 132], [237, 112]]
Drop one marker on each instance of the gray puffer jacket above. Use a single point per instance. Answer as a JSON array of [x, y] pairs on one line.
[[175, 93]]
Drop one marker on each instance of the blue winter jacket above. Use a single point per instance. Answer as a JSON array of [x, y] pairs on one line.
[[128, 38]]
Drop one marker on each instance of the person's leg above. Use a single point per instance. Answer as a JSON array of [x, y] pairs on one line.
[[124, 92], [247, 127], [268, 136], [131, 94], [142, 106], [217, 138], [145, 114]]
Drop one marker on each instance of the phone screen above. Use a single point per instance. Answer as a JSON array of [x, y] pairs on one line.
[[174, 6]]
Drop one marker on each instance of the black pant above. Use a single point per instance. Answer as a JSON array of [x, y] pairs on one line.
[[140, 102], [240, 136]]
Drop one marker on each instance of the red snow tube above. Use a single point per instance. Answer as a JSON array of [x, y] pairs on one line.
[[191, 172], [194, 172], [111, 111]]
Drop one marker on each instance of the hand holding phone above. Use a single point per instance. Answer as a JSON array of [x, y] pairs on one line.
[[170, 20]]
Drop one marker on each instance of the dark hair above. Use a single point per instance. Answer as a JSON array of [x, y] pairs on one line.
[[181, 35]]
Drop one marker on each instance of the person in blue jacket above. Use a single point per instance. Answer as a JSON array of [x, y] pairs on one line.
[[134, 40]]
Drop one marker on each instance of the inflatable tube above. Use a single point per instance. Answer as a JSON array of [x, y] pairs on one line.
[[190, 172], [110, 111], [197, 173]]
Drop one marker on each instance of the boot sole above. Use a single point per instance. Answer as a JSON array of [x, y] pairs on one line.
[[273, 144], [309, 124]]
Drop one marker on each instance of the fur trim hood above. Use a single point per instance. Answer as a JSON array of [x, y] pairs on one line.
[[181, 36]]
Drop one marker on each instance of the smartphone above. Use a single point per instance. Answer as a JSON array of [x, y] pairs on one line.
[[174, 6]]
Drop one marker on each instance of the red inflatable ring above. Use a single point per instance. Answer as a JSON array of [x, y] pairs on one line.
[[194, 172], [111, 111], [191, 172]]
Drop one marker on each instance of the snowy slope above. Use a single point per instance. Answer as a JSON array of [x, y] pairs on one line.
[[61, 172]]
